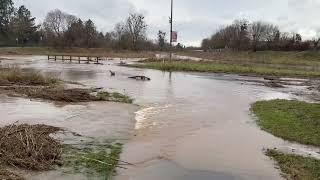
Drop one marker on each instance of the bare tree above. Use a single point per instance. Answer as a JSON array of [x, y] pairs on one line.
[[58, 22], [121, 36], [136, 27], [161, 40], [316, 42], [272, 35], [258, 33]]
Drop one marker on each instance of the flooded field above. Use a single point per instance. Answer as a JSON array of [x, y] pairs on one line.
[[185, 126]]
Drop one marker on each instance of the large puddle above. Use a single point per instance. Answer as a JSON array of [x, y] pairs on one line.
[[189, 126]]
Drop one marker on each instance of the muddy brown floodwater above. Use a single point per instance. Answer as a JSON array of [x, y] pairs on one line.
[[188, 126]]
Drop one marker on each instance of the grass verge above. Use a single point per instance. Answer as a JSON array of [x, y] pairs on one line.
[[75, 51], [286, 58], [100, 162], [291, 120], [296, 167], [250, 69]]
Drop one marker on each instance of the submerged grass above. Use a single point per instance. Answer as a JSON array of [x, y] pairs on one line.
[[33, 84], [291, 120], [251, 69], [296, 167], [114, 97], [100, 162], [60, 94]]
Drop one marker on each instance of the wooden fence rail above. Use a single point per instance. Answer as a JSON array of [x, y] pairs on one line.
[[78, 59]]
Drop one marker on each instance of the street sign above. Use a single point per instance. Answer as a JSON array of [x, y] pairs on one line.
[[174, 37]]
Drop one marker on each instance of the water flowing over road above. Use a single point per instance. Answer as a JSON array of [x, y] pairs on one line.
[[188, 126]]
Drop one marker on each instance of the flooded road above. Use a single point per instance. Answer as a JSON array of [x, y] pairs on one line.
[[189, 126]]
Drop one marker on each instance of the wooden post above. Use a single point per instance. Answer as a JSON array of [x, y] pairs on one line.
[[48, 57], [88, 60], [79, 59], [70, 58], [62, 58], [55, 58]]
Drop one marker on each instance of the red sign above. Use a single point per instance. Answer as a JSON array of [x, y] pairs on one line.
[[174, 37]]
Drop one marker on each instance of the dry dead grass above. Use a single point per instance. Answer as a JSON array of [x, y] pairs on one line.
[[9, 175], [29, 147], [16, 76]]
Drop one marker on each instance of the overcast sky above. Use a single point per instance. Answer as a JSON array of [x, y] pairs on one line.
[[194, 19]]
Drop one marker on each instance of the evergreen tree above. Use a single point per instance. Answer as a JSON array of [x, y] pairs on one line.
[[23, 25], [6, 12]]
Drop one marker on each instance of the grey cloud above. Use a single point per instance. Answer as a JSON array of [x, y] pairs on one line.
[[194, 20]]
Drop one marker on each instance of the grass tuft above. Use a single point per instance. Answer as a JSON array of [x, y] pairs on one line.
[[100, 162], [296, 167]]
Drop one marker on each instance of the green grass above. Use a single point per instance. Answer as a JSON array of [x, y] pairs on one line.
[[100, 162], [252, 69], [291, 120], [114, 97], [301, 58], [296, 167]]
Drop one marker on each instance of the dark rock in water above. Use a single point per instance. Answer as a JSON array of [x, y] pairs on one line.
[[142, 78], [270, 78], [273, 84], [122, 63], [311, 88]]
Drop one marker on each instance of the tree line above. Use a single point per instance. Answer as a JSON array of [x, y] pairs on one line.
[[257, 36], [60, 29]]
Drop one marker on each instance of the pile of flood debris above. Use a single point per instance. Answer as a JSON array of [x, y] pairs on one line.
[[28, 147]]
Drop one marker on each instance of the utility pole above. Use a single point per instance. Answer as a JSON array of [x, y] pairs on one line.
[[171, 25]]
